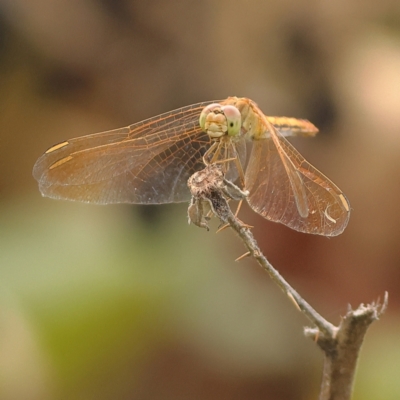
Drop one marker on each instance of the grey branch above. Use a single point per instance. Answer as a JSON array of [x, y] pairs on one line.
[[340, 344]]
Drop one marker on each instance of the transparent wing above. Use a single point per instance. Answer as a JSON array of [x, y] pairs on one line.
[[285, 188], [146, 163]]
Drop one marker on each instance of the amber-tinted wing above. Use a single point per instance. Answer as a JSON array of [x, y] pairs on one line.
[[146, 163], [285, 188]]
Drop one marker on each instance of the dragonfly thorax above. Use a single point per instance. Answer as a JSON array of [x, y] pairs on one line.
[[218, 120]]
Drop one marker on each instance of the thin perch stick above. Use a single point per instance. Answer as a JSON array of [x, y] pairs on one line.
[[341, 345]]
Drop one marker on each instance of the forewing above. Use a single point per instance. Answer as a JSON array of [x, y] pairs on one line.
[[275, 196], [146, 163]]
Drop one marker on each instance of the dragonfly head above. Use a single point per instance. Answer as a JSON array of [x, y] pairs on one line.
[[218, 120]]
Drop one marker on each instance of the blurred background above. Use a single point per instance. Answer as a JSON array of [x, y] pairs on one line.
[[130, 302]]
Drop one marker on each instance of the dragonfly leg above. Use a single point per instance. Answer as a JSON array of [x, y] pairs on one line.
[[208, 152], [238, 208], [217, 152], [209, 157], [239, 166]]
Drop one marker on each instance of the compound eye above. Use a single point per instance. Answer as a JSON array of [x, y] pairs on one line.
[[206, 110], [233, 119]]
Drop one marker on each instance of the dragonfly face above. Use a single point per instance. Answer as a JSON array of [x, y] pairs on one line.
[[218, 120], [150, 162]]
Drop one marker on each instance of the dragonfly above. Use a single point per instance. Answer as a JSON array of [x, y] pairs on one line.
[[150, 162]]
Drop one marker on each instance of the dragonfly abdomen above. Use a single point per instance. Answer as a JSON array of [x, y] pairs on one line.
[[293, 126]]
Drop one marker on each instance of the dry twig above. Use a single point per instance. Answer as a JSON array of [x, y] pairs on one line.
[[340, 344]]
